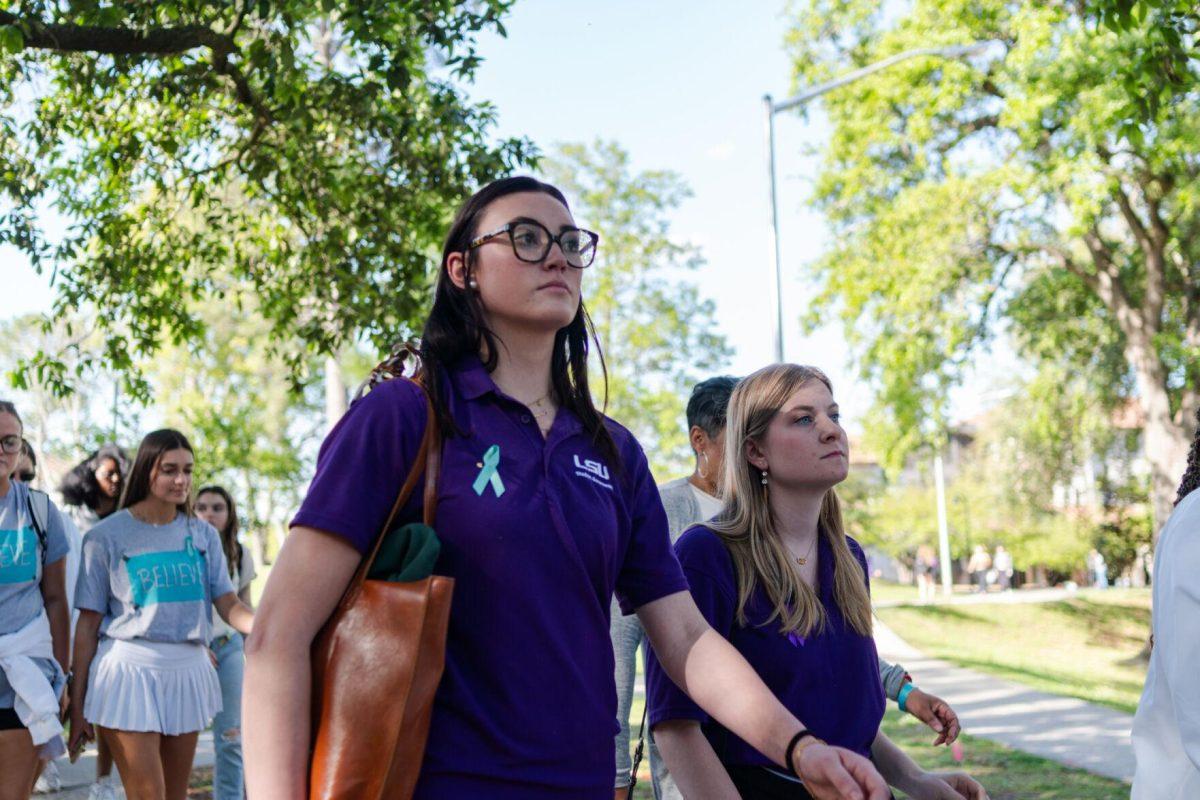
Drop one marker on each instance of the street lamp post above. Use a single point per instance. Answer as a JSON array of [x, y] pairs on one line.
[[772, 108]]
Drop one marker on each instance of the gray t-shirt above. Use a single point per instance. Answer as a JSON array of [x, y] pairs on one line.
[[21, 558], [152, 582]]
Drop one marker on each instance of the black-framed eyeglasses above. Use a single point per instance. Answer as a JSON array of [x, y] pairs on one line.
[[11, 444], [531, 242]]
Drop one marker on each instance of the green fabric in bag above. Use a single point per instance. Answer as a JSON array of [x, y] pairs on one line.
[[408, 553]]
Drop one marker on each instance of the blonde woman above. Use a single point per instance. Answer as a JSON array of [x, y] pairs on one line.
[[776, 575]]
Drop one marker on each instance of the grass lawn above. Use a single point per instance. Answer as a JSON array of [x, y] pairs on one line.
[[886, 591], [1085, 646], [1006, 774]]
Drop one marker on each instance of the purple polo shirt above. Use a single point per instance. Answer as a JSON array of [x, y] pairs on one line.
[[830, 681], [527, 705]]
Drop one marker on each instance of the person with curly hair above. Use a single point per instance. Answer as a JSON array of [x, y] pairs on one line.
[[1166, 729], [91, 491]]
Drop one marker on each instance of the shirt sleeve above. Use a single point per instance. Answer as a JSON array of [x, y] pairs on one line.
[[709, 572], [1177, 640], [92, 585], [246, 571], [363, 463], [57, 543], [650, 569], [892, 678], [219, 582]]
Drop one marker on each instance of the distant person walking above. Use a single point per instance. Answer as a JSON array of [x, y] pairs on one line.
[[1166, 729], [1098, 570], [215, 506], [925, 567], [978, 567], [1003, 564]]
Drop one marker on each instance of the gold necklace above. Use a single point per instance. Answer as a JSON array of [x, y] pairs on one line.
[[802, 560]]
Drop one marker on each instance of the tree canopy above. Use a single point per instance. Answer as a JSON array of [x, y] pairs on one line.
[[1007, 193], [312, 151], [657, 332]]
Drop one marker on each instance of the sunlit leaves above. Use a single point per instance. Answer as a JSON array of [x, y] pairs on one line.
[[313, 154]]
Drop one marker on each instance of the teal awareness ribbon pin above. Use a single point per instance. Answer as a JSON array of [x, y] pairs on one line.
[[489, 473]]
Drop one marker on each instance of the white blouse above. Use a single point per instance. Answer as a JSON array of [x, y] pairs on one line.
[[1166, 729]]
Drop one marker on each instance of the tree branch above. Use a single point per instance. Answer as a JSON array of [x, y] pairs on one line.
[[1131, 218], [116, 41], [1111, 289], [151, 42], [1153, 248]]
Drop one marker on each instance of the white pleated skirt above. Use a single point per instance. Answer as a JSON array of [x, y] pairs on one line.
[[164, 687]]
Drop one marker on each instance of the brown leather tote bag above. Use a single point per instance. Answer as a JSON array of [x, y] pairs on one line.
[[376, 665]]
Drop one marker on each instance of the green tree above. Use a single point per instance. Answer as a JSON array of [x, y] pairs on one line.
[[1168, 60], [1005, 193], [65, 426], [313, 150], [253, 430], [658, 335]]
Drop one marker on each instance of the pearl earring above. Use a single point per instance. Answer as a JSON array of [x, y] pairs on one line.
[[474, 284], [764, 477]]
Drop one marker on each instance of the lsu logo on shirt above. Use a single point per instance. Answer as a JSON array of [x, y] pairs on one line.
[[18, 555], [593, 471], [173, 576]]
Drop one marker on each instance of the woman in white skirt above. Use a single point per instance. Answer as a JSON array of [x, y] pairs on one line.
[[149, 577], [34, 622]]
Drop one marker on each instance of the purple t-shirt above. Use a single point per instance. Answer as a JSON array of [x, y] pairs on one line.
[[830, 681], [527, 704]]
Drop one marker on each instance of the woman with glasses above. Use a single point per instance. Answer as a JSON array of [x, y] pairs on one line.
[[775, 574], [545, 508], [34, 622], [91, 492]]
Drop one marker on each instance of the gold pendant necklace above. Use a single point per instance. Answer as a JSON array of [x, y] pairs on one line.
[[802, 560]]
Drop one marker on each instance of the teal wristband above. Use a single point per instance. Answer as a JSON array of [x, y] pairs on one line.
[[902, 697]]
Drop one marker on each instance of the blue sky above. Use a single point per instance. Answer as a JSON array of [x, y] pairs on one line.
[[679, 85]]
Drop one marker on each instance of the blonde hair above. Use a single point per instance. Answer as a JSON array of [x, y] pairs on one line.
[[747, 526]]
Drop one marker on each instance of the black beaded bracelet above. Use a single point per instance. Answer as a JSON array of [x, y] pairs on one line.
[[791, 748]]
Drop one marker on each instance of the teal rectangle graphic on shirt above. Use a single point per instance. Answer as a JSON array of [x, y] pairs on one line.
[[172, 576], [18, 555]]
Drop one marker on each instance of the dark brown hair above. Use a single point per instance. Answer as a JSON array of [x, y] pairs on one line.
[[149, 452], [456, 328], [1191, 476], [229, 536], [6, 407]]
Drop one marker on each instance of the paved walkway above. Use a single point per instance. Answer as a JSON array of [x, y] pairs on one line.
[[1066, 730], [77, 777]]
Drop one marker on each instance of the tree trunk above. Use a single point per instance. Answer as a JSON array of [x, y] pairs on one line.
[[1164, 442], [335, 393]]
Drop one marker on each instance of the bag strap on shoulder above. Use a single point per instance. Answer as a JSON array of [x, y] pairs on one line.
[[39, 509], [428, 461]]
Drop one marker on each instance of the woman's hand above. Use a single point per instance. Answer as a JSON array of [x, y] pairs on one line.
[[946, 786], [934, 712], [833, 773], [81, 733]]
